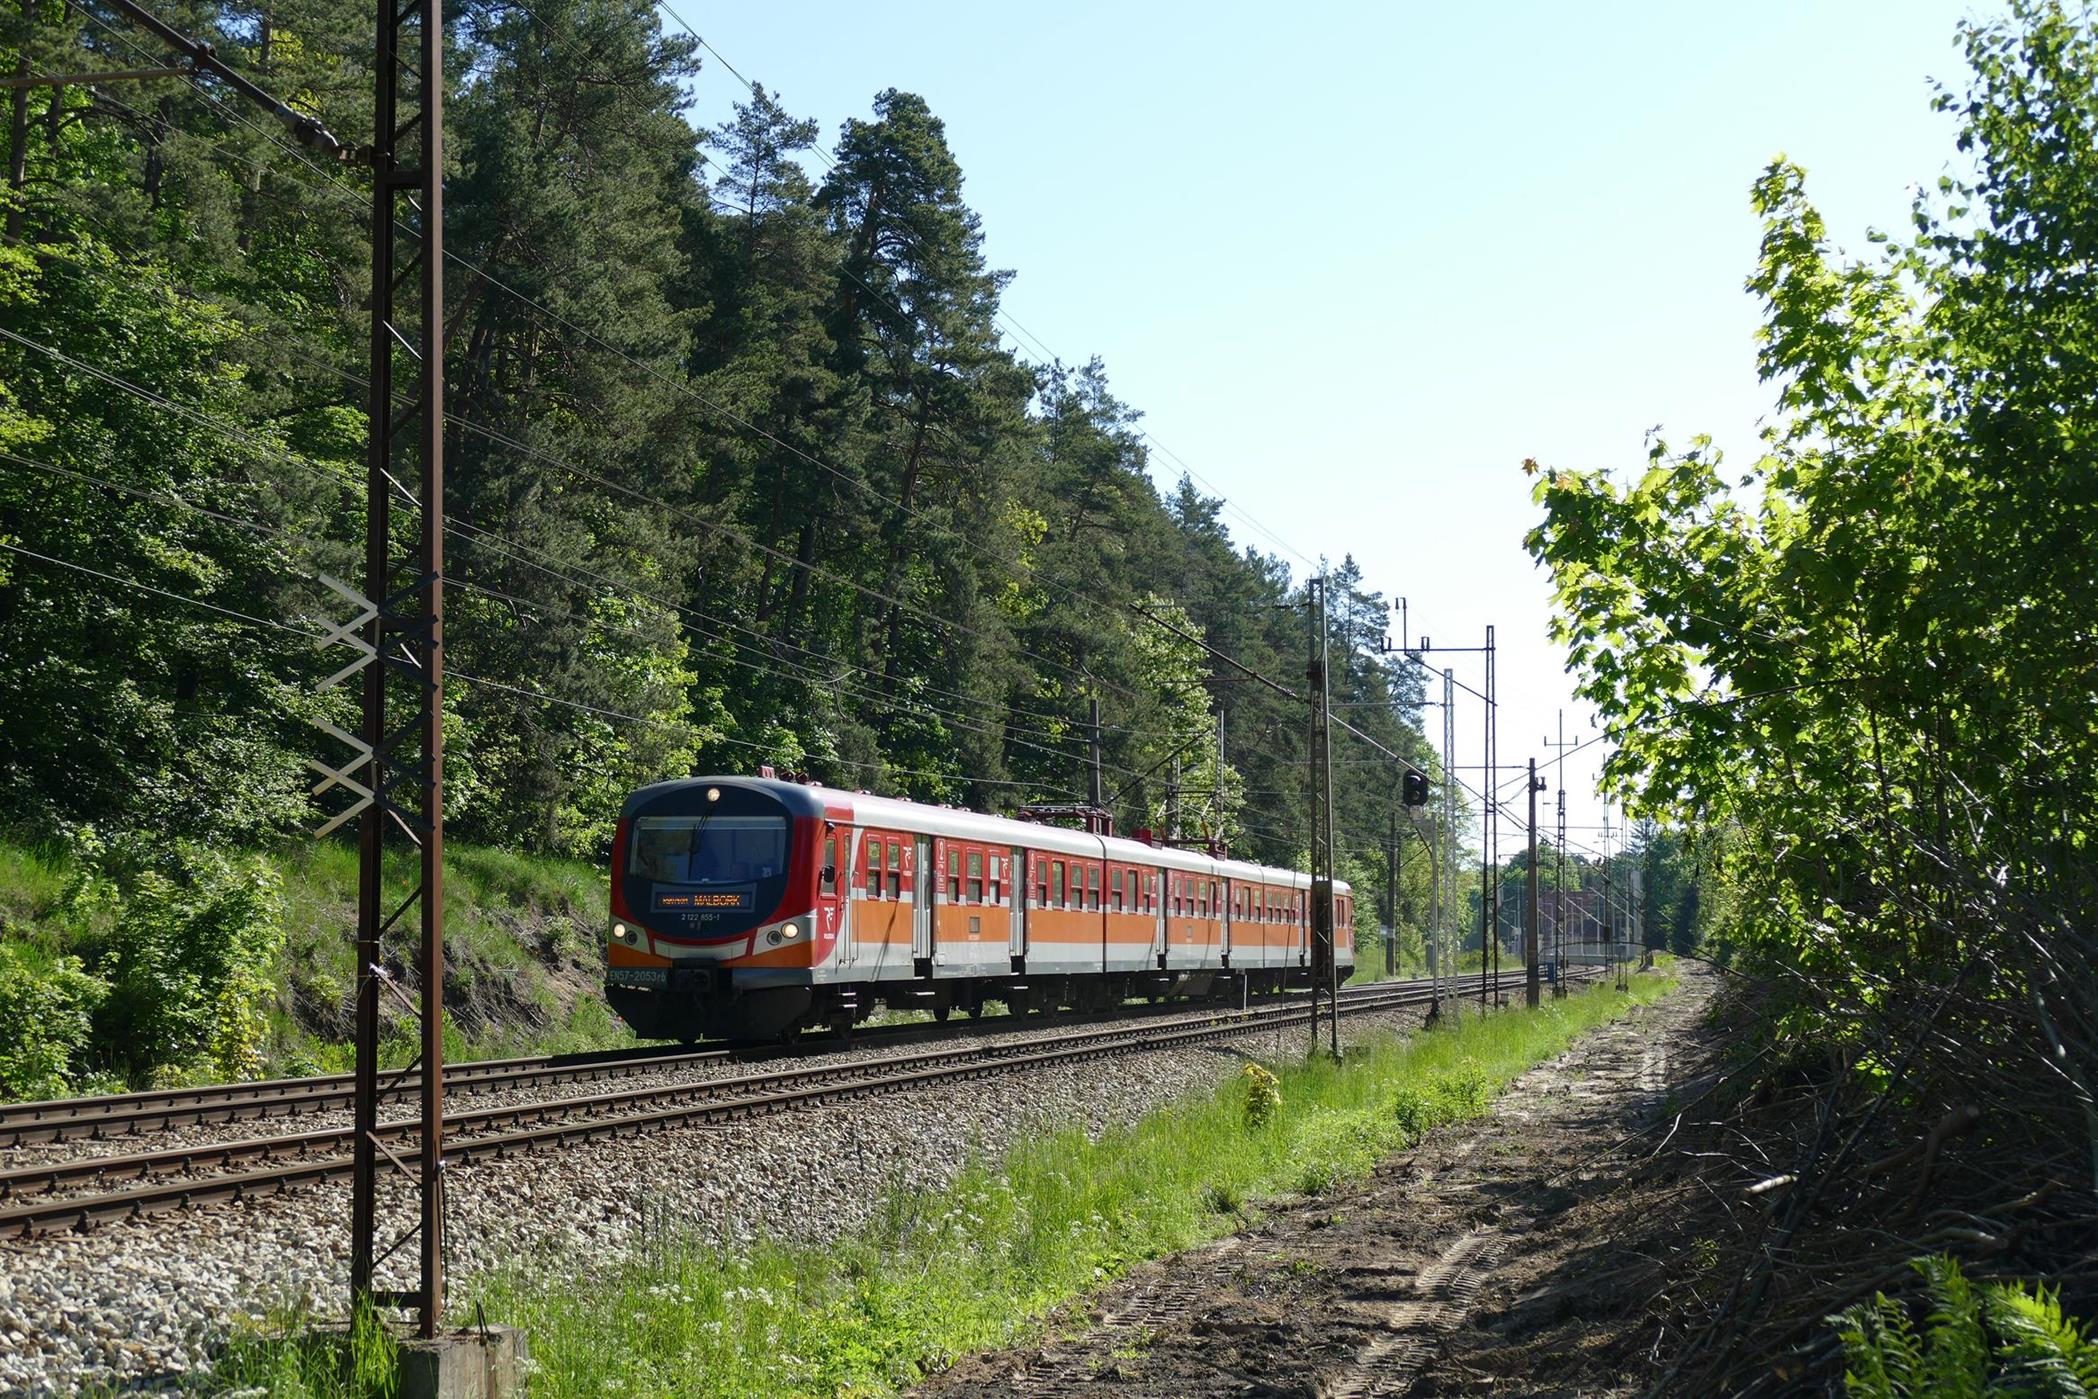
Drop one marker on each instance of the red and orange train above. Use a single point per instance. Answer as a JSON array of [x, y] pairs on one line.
[[750, 908]]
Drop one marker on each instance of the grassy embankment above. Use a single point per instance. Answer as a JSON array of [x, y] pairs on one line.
[[522, 936], [942, 1273]]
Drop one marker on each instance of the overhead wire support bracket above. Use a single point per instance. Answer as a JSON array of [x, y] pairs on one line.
[[203, 60]]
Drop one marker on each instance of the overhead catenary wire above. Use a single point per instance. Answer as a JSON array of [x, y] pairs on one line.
[[744, 425], [473, 587], [1019, 332], [209, 423], [343, 193], [523, 691]]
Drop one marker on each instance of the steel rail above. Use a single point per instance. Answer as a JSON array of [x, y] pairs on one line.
[[133, 1114], [46, 1176], [153, 1110], [807, 1087]]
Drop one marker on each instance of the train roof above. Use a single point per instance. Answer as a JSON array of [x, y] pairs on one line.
[[814, 799]]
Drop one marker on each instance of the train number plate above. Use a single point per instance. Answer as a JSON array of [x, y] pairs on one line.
[[656, 977]]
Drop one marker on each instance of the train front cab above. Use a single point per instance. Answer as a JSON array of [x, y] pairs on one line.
[[725, 896]]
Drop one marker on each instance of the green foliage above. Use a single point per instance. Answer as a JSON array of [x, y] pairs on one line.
[[1976, 1343], [185, 939], [742, 473], [47, 1007], [284, 1354], [1864, 662]]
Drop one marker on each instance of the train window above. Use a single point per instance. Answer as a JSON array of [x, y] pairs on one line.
[[997, 869], [1041, 882], [954, 875], [975, 876], [1092, 886], [895, 870], [1114, 886], [1056, 884], [873, 866], [830, 865]]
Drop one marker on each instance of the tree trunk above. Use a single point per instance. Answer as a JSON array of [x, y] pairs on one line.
[[18, 126], [899, 544], [157, 127], [804, 555]]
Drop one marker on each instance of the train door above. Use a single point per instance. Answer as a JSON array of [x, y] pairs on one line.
[[1016, 890], [1225, 910], [1157, 888], [923, 879], [849, 906], [832, 881]]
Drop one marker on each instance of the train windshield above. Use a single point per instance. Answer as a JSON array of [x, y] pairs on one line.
[[709, 849]]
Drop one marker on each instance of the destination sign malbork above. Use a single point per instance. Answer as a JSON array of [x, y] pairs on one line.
[[724, 899]]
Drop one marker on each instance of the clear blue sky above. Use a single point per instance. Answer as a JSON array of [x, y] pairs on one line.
[[1355, 262]]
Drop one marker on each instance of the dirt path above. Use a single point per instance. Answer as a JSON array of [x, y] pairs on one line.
[[1463, 1267]]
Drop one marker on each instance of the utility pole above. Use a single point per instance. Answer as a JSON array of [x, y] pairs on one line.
[[1446, 881], [1608, 929], [1393, 865], [404, 629], [1173, 803], [1324, 971], [1559, 867], [1489, 851], [396, 775], [1530, 904]]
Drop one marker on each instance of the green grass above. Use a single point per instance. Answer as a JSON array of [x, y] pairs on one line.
[[521, 933], [31, 879], [940, 1274]]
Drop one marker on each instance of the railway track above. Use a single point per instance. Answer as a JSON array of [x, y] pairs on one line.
[[40, 1199], [133, 1114]]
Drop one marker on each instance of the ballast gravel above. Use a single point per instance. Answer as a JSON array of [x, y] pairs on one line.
[[140, 1304]]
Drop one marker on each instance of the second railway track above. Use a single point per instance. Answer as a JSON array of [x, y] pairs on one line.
[[108, 1116], [39, 1199]]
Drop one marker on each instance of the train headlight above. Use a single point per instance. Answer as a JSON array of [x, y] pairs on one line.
[[772, 938], [624, 933], [713, 794], [791, 931]]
